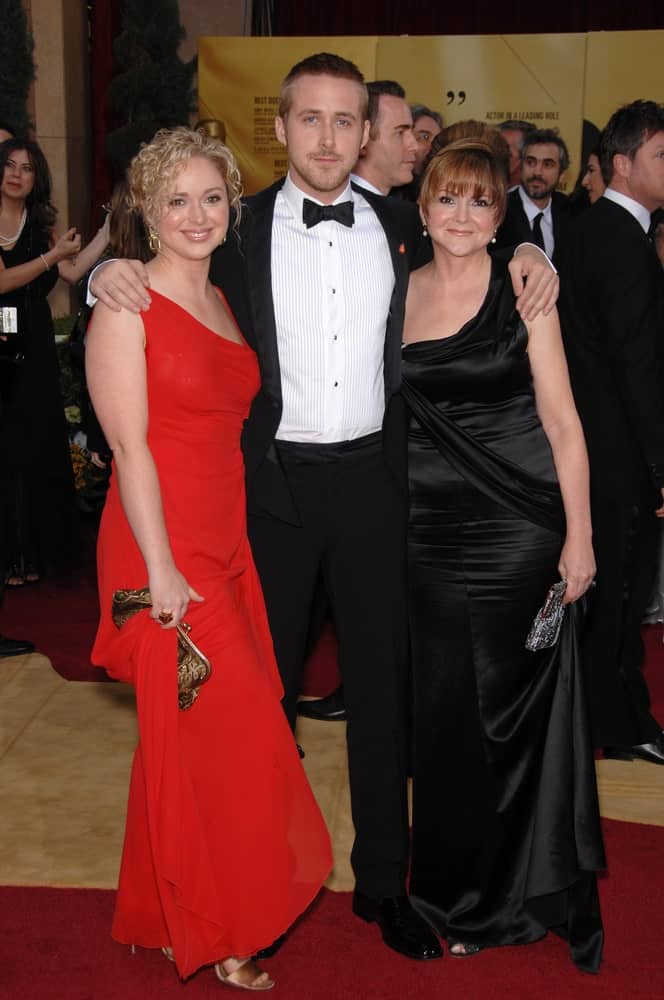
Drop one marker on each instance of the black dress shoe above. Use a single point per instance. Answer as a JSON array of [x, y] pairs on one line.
[[331, 708], [652, 752], [402, 928], [15, 647]]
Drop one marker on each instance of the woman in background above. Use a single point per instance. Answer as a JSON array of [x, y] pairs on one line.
[[38, 488], [592, 180]]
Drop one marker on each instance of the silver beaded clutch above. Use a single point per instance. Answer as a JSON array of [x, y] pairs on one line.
[[545, 629]]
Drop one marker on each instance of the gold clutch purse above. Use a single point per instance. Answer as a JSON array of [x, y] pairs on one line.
[[194, 668]]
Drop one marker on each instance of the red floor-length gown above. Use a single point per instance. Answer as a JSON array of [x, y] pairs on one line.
[[224, 845]]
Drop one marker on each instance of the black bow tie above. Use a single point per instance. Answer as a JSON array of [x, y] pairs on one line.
[[312, 213]]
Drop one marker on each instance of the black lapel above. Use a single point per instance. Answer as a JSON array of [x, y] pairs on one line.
[[228, 271], [257, 236], [625, 218], [391, 215], [523, 230]]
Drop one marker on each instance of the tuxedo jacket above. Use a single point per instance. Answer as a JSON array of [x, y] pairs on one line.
[[612, 317], [242, 269], [516, 228]]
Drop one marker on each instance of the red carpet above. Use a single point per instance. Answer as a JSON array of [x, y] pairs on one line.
[[60, 617], [56, 946]]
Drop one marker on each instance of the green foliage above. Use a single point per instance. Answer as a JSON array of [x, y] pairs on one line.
[[153, 88], [17, 68]]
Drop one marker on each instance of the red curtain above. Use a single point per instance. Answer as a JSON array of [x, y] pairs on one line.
[[474, 17], [105, 19]]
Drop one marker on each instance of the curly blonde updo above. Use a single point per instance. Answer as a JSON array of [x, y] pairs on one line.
[[154, 169]]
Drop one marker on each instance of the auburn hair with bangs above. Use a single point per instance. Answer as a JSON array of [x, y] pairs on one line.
[[467, 167]]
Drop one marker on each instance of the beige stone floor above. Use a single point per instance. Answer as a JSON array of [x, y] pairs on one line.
[[65, 754]]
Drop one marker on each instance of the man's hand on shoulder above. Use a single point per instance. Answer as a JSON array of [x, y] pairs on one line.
[[121, 284], [539, 293]]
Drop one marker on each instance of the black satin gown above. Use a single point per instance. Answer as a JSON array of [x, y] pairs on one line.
[[506, 835], [37, 495]]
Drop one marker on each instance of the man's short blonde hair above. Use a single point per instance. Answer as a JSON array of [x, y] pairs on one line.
[[154, 169]]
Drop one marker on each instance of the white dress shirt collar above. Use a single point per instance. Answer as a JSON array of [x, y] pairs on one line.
[[532, 209], [635, 208], [294, 197], [362, 182]]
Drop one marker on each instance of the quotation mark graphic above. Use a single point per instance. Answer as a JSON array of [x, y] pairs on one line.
[[451, 94]]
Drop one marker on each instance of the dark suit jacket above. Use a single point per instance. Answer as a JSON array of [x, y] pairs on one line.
[[242, 269], [612, 313], [515, 227]]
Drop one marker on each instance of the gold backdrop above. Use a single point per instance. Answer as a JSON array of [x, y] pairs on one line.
[[550, 80]]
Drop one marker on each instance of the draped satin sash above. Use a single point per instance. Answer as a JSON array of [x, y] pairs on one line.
[[494, 476]]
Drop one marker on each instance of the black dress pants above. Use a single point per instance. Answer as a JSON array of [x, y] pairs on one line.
[[625, 540], [352, 529]]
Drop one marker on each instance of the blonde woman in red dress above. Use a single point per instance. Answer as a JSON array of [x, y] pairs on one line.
[[225, 845]]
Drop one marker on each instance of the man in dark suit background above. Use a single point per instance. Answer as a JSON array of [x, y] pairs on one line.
[[514, 131], [317, 283], [612, 311], [536, 211]]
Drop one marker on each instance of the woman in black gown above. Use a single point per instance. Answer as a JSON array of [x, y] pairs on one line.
[[506, 837], [37, 493]]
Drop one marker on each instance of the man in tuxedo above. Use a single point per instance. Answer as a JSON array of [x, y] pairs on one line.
[[317, 283], [514, 131], [388, 158], [427, 124], [536, 211], [612, 312]]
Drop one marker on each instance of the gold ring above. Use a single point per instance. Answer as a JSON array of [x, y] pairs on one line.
[[165, 617]]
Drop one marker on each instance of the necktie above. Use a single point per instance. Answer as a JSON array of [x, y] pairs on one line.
[[656, 219], [538, 238], [312, 213]]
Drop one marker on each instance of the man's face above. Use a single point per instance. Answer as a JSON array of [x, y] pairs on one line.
[[389, 159], [323, 131], [425, 130], [514, 138], [645, 173], [540, 171]]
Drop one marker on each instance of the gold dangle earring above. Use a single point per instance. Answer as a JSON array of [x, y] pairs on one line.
[[154, 242]]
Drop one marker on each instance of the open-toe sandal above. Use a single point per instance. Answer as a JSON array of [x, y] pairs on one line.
[[245, 977], [14, 577], [468, 949]]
